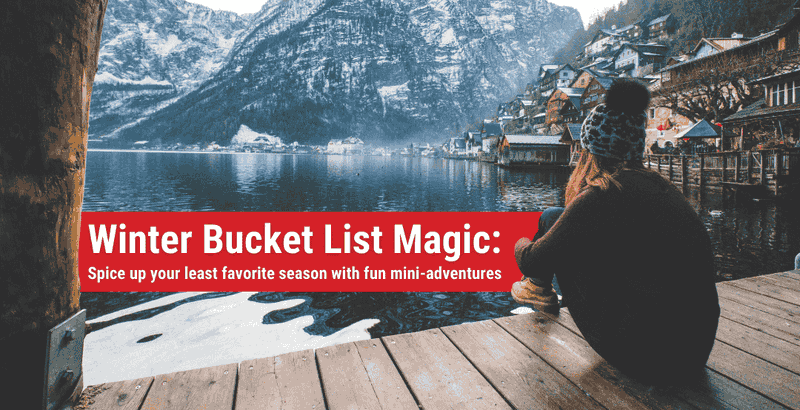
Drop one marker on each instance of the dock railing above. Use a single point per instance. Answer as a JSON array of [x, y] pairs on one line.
[[771, 168]]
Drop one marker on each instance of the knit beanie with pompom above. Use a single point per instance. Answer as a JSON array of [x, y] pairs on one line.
[[616, 129]]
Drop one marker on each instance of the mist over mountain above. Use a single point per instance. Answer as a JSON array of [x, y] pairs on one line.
[[381, 70]]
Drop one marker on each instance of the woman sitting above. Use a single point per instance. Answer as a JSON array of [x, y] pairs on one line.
[[632, 258]]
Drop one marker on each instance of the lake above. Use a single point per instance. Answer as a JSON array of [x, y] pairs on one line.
[[138, 334]]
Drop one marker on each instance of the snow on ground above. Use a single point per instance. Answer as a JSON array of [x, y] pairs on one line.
[[108, 78], [202, 333], [448, 38], [245, 135], [395, 92]]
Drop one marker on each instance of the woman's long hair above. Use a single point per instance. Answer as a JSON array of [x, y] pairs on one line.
[[598, 171]]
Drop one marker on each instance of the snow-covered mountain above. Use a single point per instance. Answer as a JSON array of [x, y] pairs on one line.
[[154, 51], [384, 70]]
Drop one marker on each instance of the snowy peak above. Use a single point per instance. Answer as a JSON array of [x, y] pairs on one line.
[[321, 69]]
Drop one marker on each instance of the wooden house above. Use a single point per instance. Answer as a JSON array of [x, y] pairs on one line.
[[633, 32], [556, 103], [660, 27], [777, 115], [676, 75], [560, 77], [572, 137], [594, 94], [602, 41], [533, 150], [583, 78], [630, 58], [571, 110]]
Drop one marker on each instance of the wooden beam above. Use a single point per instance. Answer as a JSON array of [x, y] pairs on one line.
[[50, 51]]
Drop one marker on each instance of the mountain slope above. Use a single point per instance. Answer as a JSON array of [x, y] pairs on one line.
[[154, 51], [381, 70]]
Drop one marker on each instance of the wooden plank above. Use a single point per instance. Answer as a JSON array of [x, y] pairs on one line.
[[768, 289], [713, 391], [207, 388], [575, 359], [772, 306], [258, 386], [782, 281], [766, 378], [792, 274], [124, 395], [761, 321], [524, 379], [759, 344], [386, 380], [345, 382], [439, 375], [298, 381], [716, 391]]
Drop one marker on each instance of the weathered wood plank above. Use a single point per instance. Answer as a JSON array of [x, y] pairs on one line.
[[575, 359], [258, 386], [792, 274], [345, 382], [439, 375], [765, 378], [768, 289], [123, 395], [209, 388], [759, 344], [769, 305], [714, 391], [781, 281], [522, 377], [389, 386], [298, 381], [761, 321]]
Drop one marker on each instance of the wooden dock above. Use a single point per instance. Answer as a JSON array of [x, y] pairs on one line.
[[774, 172], [532, 361]]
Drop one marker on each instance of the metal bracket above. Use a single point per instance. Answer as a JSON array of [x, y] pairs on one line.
[[63, 360]]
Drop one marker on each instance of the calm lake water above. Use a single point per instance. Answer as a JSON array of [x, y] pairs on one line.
[[750, 238]]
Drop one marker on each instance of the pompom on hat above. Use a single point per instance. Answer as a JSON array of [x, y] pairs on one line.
[[616, 129]]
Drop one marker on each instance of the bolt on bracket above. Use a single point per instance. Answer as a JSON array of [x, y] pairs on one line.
[[63, 360]]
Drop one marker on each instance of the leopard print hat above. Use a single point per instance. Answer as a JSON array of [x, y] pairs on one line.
[[616, 129]]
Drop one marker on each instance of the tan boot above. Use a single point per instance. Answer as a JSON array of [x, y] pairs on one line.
[[539, 297]]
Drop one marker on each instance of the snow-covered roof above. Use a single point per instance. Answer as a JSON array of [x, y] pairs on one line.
[[658, 20], [534, 139]]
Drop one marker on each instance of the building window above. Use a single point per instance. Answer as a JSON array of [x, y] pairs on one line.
[[776, 96], [652, 113]]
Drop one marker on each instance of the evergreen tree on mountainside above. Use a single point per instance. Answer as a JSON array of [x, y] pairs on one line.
[[693, 19]]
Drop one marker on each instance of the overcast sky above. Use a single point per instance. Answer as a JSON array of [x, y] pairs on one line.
[[589, 9]]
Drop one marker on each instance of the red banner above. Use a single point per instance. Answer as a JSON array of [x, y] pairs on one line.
[[301, 251]]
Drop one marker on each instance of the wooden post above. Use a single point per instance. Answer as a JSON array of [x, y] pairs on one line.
[[777, 172], [750, 159], [670, 167], [762, 177], [659, 164], [736, 163], [702, 167], [724, 166], [683, 174], [649, 165], [49, 59]]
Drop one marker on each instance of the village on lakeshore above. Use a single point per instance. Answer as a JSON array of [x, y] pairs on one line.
[[730, 106]]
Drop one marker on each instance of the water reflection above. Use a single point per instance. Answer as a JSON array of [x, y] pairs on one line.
[[749, 238]]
